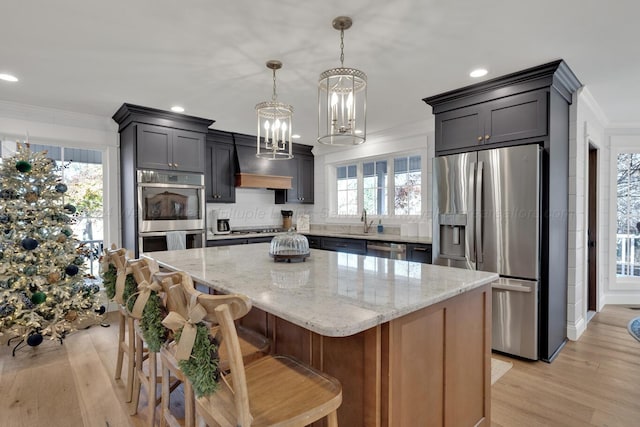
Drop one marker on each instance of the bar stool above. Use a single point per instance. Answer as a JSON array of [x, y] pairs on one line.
[[126, 334], [145, 272], [274, 390], [253, 345]]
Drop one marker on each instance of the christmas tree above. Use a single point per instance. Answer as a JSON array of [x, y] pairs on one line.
[[42, 289]]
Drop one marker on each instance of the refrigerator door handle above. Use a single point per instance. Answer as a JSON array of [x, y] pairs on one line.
[[478, 211], [509, 287], [470, 236]]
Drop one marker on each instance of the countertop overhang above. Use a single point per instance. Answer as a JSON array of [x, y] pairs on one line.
[[332, 293], [360, 236]]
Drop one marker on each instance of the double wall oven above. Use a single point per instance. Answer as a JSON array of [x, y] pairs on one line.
[[170, 202]]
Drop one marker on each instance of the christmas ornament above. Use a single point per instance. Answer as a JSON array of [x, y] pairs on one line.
[[70, 208], [38, 297], [101, 310], [35, 339], [71, 270], [61, 238], [53, 277], [79, 260], [71, 316], [23, 166], [6, 309], [30, 270], [29, 244], [31, 197], [4, 218], [7, 194], [61, 188], [33, 288], [26, 302], [67, 232]]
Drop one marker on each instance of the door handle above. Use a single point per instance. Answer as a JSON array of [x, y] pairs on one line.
[[515, 288], [471, 223], [478, 215]]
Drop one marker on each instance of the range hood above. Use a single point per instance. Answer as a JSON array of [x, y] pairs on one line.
[[253, 172]]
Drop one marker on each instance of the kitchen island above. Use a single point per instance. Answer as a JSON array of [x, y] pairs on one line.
[[410, 342]]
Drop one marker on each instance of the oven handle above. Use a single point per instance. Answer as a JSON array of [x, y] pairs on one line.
[[164, 233], [156, 185]]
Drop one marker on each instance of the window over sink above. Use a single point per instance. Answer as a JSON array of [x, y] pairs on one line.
[[389, 186]]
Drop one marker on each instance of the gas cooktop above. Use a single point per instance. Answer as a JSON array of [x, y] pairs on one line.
[[257, 230]]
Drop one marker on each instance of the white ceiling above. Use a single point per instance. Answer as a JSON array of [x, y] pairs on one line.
[[209, 56]]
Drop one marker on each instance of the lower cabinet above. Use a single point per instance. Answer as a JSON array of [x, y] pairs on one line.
[[353, 246], [419, 253], [241, 241]]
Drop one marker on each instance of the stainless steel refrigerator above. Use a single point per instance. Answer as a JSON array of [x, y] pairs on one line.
[[486, 216]]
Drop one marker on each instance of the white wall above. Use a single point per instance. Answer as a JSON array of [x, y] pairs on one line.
[[68, 129], [586, 127]]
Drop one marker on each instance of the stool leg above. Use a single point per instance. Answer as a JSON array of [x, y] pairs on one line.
[[133, 407], [130, 359], [152, 387], [332, 419], [189, 404], [121, 332], [165, 396]]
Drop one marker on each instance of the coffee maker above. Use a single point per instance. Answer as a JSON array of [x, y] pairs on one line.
[[218, 222]]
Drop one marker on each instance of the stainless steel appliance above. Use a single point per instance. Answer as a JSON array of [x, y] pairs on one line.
[[486, 216], [170, 201], [387, 250]]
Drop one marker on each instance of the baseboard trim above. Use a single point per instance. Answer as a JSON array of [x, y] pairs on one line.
[[575, 331]]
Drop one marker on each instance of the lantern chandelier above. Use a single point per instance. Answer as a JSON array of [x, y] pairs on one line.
[[274, 124], [342, 100]]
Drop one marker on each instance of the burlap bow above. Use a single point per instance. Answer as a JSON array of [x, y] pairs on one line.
[[175, 321], [144, 292], [104, 262]]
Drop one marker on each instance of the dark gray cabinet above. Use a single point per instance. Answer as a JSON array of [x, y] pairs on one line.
[[160, 147], [506, 119], [419, 253], [353, 246], [302, 170], [527, 107], [220, 168], [154, 139]]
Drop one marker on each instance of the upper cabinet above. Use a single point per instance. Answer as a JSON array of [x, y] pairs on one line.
[[301, 168], [160, 147], [501, 120], [220, 168]]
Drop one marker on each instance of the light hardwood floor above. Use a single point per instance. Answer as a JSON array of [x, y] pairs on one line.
[[593, 382]]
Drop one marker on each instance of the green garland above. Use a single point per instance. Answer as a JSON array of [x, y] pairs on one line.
[[151, 323], [109, 278], [202, 367]]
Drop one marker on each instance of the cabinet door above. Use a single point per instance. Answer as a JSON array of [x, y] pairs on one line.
[[516, 117], [419, 253], [302, 184], [224, 172], [188, 151], [461, 128], [154, 147], [354, 246]]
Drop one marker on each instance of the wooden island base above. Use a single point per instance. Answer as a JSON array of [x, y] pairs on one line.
[[429, 368]]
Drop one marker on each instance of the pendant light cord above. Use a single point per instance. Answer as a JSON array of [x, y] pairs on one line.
[[342, 47]]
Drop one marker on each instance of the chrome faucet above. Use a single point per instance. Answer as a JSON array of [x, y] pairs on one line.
[[363, 218]]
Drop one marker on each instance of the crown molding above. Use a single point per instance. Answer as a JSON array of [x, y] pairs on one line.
[[585, 96], [33, 113]]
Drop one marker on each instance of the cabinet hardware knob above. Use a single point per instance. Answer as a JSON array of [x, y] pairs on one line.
[[479, 138], [487, 136], [175, 164], [170, 165]]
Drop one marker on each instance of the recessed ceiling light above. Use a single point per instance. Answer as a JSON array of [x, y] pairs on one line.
[[295, 136], [478, 72], [177, 109], [8, 78]]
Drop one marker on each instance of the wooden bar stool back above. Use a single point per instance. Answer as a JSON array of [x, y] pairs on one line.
[[274, 390], [126, 335], [254, 346]]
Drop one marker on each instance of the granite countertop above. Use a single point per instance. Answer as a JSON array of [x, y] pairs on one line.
[[332, 293], [361, 236]]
